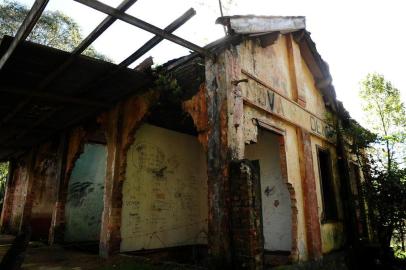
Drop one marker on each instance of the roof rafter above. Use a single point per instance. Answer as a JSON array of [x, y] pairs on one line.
[[143, 25], [157, 39], [108, 21], [142, 50]]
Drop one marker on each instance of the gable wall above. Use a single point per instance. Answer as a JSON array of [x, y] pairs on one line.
[[297, 105]]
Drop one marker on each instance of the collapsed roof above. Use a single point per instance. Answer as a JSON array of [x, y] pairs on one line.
[[86, 88], [32, 113]]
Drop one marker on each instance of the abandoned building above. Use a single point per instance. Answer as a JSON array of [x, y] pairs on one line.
[[231, 154]]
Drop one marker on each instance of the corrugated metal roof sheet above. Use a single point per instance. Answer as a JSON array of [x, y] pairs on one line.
[[88, 87]]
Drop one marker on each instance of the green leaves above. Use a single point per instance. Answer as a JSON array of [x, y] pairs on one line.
[[3, 180], [384, 170], [386, 116]]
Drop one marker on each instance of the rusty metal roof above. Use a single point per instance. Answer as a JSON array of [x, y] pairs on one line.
[[87, 87]]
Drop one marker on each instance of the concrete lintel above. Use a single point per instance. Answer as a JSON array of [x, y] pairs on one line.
[[263, 24]]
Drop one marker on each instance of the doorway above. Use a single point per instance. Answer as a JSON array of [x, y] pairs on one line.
[[276, 198]]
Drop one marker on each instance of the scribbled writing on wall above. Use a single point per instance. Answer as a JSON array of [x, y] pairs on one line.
[[165, 191]]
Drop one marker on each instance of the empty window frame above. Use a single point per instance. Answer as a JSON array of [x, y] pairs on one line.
[[327, 185]]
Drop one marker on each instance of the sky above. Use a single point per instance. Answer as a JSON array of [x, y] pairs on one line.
[[353, 37]]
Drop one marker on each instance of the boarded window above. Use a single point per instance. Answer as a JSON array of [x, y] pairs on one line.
[[327, 185]]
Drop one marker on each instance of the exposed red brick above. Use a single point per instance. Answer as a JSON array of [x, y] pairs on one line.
[[76, 140], [196, 107], [246, 223], [312, 222], [284, 170], [120, 125]]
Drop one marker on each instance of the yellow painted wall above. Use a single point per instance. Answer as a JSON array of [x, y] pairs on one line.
[[165, 191], [271, 66], [331, 231]]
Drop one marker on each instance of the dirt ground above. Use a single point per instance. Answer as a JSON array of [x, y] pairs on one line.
[[42, 257]]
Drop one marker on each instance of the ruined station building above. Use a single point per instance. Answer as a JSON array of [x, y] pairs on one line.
[[232, 160]]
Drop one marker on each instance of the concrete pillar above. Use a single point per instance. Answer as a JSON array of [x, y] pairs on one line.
[[110, 235], [219, 242], [70, 148], [312, 221], [120, 125], [55, 233]]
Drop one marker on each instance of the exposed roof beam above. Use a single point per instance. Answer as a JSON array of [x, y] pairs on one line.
[[53, 97], [65, 65], [25, 29], [143, 25], [157, 39], [106, 23]]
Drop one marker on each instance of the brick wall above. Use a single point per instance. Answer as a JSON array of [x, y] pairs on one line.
[[246, 220]]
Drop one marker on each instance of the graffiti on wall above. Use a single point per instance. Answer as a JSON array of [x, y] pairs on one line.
[[165, 191], [84, 204]]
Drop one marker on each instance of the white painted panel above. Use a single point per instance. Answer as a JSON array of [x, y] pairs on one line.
[[276, 204], [164, 192]]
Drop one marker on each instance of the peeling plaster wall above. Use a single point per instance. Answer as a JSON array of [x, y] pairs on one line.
[[164, 192], [279, 68], [332, 231], [84, 204], [276, 202]]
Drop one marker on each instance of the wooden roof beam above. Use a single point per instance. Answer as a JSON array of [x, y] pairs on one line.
[[106, 23], [25, 29], [143, 25], [157, 39]]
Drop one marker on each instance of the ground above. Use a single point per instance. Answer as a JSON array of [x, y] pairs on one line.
[[42, 257]]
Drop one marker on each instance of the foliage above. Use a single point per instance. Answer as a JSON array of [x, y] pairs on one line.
[[386, 116], [381, 157], [386, 194], [3, 179], [53, 29], [167, 85]]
